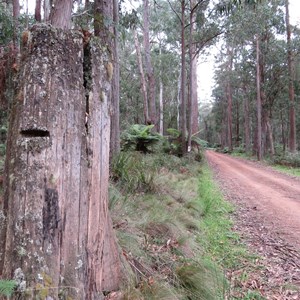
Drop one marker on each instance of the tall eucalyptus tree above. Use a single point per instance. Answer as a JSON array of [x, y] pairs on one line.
[[148, 65], [292, 113]]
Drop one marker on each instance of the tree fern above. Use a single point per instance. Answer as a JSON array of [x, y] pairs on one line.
[[140, 138], [7, 287]]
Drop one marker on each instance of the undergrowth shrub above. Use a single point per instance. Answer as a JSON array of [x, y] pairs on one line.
[[161, 160], [2, 162], [3, 134], [131, 173], [172, 144], [288, 159], [202, 143], [239, 149], [120, 166], [225, 150], [2, 149], [140, 137]]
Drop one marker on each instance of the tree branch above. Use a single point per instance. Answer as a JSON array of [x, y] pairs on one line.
[[176, 13], [202, 44]]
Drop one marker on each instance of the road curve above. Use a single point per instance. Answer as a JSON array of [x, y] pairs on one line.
[[274, 195]]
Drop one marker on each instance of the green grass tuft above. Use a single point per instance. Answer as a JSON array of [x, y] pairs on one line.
[[7, 287], [200, 281]]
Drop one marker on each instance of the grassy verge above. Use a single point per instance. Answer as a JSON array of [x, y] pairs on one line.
[[219, 241], [175, 232], [243, 155], [285, 164], [157, 232], [224, 246], [287, 170]]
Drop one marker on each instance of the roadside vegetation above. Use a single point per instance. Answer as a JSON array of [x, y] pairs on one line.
[[288, 163], [175, 229], [287, 170], [285, 162]]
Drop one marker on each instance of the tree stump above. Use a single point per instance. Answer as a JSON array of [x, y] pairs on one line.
[[58, 234]]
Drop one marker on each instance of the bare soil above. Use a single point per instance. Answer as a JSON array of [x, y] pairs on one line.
[[268, 219]]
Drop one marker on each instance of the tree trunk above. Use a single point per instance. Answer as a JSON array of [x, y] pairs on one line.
[[206, 131], [283, 139], [267, 134], [59, 236], [104, 29], [179, 120], [292, 117], [37, 12], [149, 67], [246, 122], [143, 80], [193, 101], [105, 25], [47, 10], [61, 11], [194, 93], [229, 116], [237, 124], [195, 105], [183, 98], [224, 138], [263, 134], [258, 101], [115, 105], [229, 98], [103, 22], [270, 137], [16, 15], [161, 99], [265, 142], [161, 108]]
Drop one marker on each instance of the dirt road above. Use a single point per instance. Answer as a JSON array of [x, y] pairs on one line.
[[267, 218], [273, 194]]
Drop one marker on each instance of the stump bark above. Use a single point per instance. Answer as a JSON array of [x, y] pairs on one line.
[[59, 240]]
